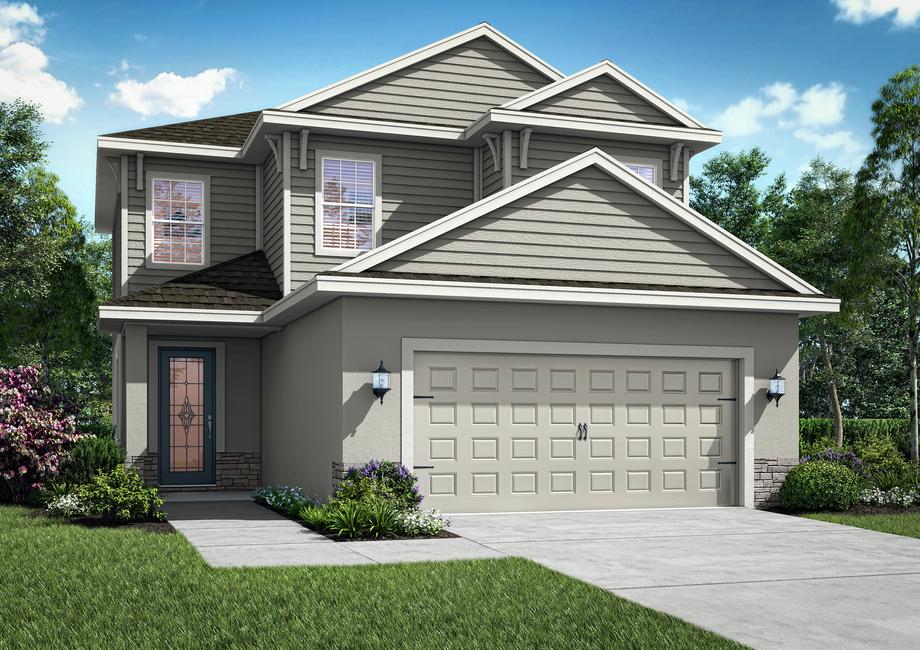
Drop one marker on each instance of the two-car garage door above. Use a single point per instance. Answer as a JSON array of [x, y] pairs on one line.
[[515, 432]]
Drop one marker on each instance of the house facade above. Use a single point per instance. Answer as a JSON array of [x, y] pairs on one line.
[[513, 244]]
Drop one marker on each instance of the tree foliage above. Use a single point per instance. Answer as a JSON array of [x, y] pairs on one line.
[[883, 228], [52, 276], [727, 193]]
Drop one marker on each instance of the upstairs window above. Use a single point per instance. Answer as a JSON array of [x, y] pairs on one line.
[[348, 204], [176, 228], [646, 170]]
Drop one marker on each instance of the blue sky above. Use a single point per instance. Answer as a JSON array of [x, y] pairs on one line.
[[796, 78]]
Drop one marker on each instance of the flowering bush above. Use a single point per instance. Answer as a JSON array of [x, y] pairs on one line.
[[379, 480], [68, 505], [421, 522], [897, 496], [35, 431], [847, 458], [282, 498]]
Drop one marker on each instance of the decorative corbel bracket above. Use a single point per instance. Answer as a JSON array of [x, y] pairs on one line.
[[274, 143], [676, 150], [495, 147], [304, 137], [525, 143]]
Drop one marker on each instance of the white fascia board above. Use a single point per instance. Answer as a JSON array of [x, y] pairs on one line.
[[323, 289], [605, 68], [498, 118], [605, 162], [123, 145], [178, 315], [428, 51]]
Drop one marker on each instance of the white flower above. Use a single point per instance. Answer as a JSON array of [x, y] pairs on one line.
[[68, 505]]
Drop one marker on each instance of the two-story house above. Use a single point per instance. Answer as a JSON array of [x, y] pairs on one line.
[[513, 243]]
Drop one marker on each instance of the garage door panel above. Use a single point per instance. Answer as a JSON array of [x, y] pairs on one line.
[[542, 432]]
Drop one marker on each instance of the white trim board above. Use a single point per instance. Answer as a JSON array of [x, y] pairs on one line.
[[605, 162], [323, 288], [499, 118], [161, 146], [608, 69], [482, 30], [745, 377]]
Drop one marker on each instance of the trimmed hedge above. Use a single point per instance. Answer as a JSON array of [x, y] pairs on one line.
[[897, 430], [820, 485]]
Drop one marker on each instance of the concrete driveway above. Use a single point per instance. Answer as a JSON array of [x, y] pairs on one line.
[[768, 580]]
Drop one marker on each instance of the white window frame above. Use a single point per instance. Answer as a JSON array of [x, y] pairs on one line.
[[377, 160], [655, 163], [167, 175]]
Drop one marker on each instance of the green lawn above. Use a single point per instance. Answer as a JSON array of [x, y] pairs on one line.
[[65, 586], [903, 523]]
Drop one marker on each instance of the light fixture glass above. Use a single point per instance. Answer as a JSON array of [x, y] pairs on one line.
[[380, 381], [777, 387]]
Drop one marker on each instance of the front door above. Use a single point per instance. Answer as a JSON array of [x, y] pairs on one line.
[[186, 416]]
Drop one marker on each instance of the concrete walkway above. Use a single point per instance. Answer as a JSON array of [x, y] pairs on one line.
[[767, 580], [240, 533]]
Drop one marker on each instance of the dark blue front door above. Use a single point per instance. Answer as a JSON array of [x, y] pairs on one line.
[[186, 416]]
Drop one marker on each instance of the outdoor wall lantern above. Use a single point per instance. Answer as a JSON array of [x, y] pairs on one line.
[[380, 381], [777, 387]]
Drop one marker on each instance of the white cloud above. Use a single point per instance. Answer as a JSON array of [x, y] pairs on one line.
[[684, 104], [173, 94], [20, 22], [906, 12], [140, 37], [821, 105], [23, 65], [843, 140], [123, 68]]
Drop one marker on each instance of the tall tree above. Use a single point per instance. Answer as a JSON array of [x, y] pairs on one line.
[[883, 228], [727, 192], [51, 276], [806, 238]]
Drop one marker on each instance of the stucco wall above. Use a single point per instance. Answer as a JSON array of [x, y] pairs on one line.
[[374, 328], [302, 401]]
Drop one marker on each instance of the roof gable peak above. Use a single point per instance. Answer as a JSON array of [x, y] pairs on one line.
[[481, 30], [606, 163], [605, 68]]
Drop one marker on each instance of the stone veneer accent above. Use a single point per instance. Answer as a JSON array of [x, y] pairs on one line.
[[769, 474], [236, 470]]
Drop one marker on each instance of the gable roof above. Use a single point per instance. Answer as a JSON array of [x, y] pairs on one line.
[[243, 283], [223, 131], [607, 164], [605, 68], [482, 30]]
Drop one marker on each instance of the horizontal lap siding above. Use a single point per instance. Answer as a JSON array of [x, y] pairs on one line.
[[605, 99], [421, 183], [273, 217], [232, 215], [548, 150], [452, 89], [586, 227]]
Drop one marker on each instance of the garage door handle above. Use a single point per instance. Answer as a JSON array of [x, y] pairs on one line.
[[727, 462], [423, 467]]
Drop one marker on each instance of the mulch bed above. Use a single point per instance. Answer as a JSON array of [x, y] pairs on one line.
[[857, 510], [107, 522], [444, 534]]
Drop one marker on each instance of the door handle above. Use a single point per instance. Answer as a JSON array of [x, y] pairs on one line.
[[210, 426], [423, 467]]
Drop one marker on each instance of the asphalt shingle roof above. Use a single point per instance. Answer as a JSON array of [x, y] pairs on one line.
[[224, 131], [245, 283]]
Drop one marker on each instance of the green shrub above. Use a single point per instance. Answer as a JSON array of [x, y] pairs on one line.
[[896, 429], [90, 455], [349, 519], [879, 453], [378, 481], [121, 494], [382, 520], [820, 485], [316, 518]]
